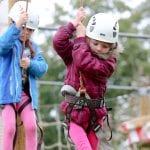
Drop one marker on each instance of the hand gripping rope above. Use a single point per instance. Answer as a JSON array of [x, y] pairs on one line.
[[79, 101]]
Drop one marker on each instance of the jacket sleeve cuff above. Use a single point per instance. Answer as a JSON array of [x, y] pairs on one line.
[[71, 27], [80, 40]]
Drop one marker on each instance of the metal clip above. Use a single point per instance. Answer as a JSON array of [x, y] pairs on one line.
[[96, 129], [79, 104]]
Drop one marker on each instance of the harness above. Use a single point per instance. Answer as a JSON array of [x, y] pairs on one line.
[[81, 100], [92, 104], [40, 140]]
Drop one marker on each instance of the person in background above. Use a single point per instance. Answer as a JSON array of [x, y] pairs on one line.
[[21, 64], [90, 58]]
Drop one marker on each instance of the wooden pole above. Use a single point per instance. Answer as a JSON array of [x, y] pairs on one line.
[[145, 111], [145, 105], [141, 120], [20, 140]]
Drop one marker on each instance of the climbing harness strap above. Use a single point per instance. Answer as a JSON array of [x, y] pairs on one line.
[[66, 124], [23, 106], [107, 120], [37, 123], [80, 102], [94, 121], [41, 132]]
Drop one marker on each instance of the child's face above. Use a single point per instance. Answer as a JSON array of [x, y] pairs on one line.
[[26, 34], [99, 47]]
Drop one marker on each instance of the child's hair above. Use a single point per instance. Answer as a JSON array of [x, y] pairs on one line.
[[28, 44], [115, 50]]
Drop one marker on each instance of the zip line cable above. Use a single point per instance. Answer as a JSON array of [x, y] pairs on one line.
[[121, 34], [114, 87]]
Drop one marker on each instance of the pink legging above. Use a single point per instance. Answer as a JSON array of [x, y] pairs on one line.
[[80, 138], [9, 125]]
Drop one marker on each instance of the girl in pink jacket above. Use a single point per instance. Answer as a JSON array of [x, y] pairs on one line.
[[90, 60]]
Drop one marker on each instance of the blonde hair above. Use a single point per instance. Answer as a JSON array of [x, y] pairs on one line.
[[114, 52]]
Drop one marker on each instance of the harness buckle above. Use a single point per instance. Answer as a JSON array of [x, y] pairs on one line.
[[97, 127], [2, 106], [79, 104]]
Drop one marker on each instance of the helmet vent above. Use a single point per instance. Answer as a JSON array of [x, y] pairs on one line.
[[91, 28], [114, 34], [102, 34], [94, 21], [115, 26]]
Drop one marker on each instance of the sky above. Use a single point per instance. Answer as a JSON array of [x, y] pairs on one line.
[[45, 9]]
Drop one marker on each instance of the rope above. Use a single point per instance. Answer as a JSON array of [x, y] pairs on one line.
[[81, 81], [23, 44], [24, 73], [82, 89], [81, 3]]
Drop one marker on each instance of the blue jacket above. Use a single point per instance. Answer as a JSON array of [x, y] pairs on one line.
[[10, 70]]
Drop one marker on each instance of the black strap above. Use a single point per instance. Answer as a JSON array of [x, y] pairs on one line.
[[67, 121], [41, 138], [93, 122], [23, 106], [107, 119], [68, 112], [82, 101], [2, 106], [37, 122], [41, 132]]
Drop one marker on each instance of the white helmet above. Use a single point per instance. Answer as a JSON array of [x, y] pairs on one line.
[[33, 21], [103, 27], [14, 14]]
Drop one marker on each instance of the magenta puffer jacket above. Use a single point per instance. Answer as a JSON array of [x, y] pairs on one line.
[[77, 57]]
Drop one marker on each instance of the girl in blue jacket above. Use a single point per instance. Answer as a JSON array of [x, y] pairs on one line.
[[21, 64]]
